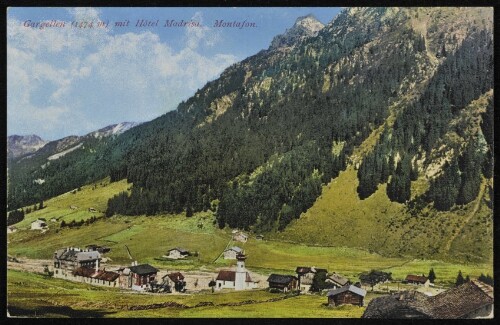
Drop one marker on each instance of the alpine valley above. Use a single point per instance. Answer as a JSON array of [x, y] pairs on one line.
[[372, 134]]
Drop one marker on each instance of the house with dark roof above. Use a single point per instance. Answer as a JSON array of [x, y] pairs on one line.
[[137, 277], [282, 282], [231, 252], [337, 280], [305, 275], [177, 279], [348, 294], [177, 253], [470, 300], [417, 279]]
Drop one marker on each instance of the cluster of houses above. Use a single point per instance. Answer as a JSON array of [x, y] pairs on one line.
[[341, 290], [473, 299], [83, 265]]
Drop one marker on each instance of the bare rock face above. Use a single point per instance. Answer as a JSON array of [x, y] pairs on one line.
[[18, 145], [306, 26]]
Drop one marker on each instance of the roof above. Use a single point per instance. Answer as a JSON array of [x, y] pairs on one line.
[[282, 279], [84, 271], [143, 269], [107, 275], [416, 278], [351, 288], [337, 278], [235, 248], [39, 221], [181, 250], [302, 269], [306, 269], [88, 256], [100, 275], [458, 302], [226, 275], [397, 306], [176, 276]]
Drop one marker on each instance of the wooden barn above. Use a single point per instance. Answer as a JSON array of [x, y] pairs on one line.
[[282, 282], [348, 294], [417, 279], [337, 281]]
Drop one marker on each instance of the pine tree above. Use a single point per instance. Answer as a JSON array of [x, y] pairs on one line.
[[189, 211], [460, 279], [432, 275]]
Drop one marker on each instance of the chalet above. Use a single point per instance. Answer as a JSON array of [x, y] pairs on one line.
[[39, 224], [417, 279], [374, 277], [230, 253], [337, 280], [139, 276], [72, 258], [100, 249], [11, 229], [348, 294], [177, 253], [177, 279], [92, 210], [241, 237], [306, 275], [259, 237], [470, 300], [237, 280], [73, 207], [282, 282]]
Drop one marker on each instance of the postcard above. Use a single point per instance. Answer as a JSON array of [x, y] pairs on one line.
[[249, 162]]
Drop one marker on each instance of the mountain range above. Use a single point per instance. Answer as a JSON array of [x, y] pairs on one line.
[[399, 97]]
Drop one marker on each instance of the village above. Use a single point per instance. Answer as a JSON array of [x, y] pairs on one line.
[[412, 297]]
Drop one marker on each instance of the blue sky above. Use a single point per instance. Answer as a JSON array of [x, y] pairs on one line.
[[68, 81]]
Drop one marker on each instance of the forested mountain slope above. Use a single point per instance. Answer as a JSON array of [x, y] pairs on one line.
[[386, 92]]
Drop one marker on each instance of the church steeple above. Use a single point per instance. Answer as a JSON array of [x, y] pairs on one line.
[[241, 272]]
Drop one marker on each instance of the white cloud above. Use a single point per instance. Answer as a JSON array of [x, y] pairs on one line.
[[205, 35], [85, 13], [64, 81]]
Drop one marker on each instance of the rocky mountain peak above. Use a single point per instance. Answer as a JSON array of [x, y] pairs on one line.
[[18, 145], [305, 26]]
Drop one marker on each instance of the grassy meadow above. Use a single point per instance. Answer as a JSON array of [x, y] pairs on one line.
[[89, 196], [327, 236], [340, 218], [39, 295]]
